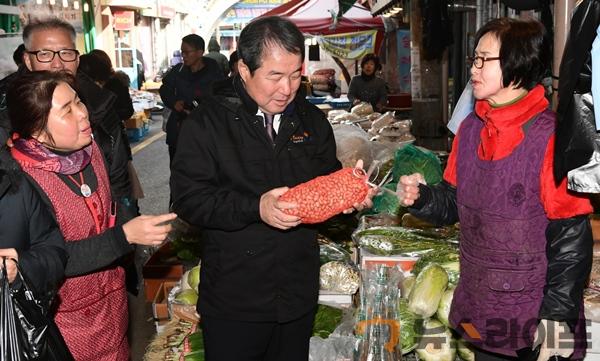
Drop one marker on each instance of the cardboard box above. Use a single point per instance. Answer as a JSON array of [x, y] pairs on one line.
[[137, 120], [160, 307], [161, 267]]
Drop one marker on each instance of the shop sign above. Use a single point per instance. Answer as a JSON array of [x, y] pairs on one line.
[[123, 19], [166, 11], [349, 45], [403, 49]]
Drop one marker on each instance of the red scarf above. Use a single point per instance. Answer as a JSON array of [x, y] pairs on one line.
[[503, 126], [31, 153]]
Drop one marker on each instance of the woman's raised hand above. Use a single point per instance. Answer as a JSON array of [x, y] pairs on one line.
[[148, 230]]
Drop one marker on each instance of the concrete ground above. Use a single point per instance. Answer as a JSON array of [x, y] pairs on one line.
[[151, 161]]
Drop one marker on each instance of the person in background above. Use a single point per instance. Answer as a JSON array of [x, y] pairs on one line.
[[259, 280], [225, 87], [525, 242], [185, 85], [98, 66], [4, 85], [18, 55], [214, 52], [50, 45], [368, 87], [53, 144]]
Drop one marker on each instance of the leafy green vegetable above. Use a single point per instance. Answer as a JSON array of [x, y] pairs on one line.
[[326, 320], [440, 256], [437, 343], [410, 327], [465, 350], [399, 240], [443, 311]]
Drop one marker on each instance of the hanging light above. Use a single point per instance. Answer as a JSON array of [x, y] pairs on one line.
[[86, 7], [52, 2], [76, 5], [65, 3]]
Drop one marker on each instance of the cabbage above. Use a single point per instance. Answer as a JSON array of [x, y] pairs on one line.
[[410, 327], [187, 297], [437, 343], [428, 290], [407, 285], [184, 281], [194, 278], [443, 310], [465, 350]]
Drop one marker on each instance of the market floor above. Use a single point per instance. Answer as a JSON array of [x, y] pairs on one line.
[[151, 161]]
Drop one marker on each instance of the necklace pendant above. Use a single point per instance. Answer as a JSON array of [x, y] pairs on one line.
[[85, 190]]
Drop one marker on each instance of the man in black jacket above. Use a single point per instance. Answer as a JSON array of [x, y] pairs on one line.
[[259, 279]]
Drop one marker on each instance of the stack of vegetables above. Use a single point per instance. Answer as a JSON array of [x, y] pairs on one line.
[[338, 273], [187, 293], [425, 306], [180, 341]]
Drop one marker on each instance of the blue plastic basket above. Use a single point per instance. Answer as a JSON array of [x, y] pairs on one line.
[[135, 134], [339, 104]]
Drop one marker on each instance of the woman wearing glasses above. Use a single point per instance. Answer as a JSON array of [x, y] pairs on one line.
[[526, 244]]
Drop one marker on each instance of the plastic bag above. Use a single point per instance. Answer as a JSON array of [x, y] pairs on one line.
[[362, 109], [352, 144], [329, 251], [388, 203], [386, 119], [464, 107], [411, 159], [339, 277], [26, 333]]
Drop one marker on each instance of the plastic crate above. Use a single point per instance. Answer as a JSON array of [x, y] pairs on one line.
[[145, 128], [339, 104], [135, 134], [316, 100]]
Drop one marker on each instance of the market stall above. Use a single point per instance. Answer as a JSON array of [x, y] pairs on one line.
[[387, 278]]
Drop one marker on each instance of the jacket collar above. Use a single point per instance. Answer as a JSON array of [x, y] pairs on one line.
[[248, 103]]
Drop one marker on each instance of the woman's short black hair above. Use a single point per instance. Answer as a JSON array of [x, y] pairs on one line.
[[97, 65], [33, 91], [371, 57], [266, 32], [525, 51]]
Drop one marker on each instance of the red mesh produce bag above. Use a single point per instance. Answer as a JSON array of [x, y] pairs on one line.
[[323, 197]]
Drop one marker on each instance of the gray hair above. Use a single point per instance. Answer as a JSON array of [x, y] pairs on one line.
[[50, 23]]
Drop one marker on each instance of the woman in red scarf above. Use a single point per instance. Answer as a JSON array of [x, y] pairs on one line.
[[525, 243], [53, 143]]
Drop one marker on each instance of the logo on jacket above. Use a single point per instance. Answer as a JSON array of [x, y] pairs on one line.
[[300, 138]]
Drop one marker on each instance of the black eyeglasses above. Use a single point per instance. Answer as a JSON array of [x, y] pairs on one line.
[[46, 56], [478, 61]]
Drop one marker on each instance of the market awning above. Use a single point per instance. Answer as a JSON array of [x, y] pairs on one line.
[[321, 17]]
